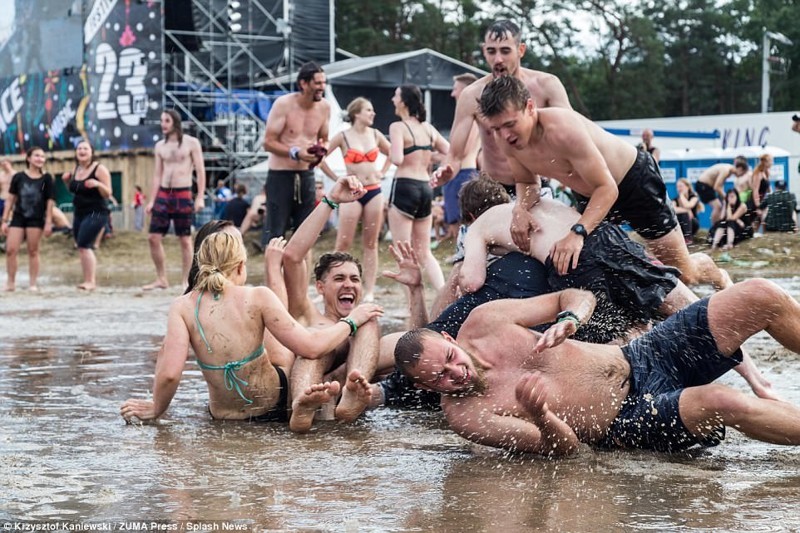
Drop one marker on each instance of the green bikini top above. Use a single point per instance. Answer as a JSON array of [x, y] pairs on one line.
[[232, 381]]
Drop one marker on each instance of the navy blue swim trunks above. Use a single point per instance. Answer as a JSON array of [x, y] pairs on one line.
[[678, 353]]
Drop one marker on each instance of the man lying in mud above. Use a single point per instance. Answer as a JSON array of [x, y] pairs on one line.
[[631, 288], [507, 386]]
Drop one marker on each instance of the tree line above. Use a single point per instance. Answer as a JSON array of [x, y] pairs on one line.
[[618, 59]]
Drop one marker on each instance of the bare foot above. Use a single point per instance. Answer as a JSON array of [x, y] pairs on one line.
[[726, 279], [33, 288], [355, 398], [10, 287], [304, 407], [157, 284], [87, 286]]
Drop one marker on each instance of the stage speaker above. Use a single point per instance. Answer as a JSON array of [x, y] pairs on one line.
[[178, 16]]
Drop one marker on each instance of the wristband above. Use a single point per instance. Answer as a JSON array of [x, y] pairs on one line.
[[330, 203], [352, 323], [294, 153], [568, 315]]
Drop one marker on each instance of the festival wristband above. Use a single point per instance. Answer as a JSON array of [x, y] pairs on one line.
[[568, 315], [294, 153], [352, 323], [330, 203]]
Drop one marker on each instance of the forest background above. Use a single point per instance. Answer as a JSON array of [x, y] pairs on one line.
[[618, 59]]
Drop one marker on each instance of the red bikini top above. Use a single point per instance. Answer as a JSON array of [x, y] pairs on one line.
[[357, 156]]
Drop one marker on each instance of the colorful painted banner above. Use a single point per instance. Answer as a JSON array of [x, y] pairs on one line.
[[113, 100]]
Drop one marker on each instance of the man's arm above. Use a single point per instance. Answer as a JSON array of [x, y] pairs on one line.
[[491, 317], [463, 120], [472, 275], [276, 121], [556, 93], [410, 275], [158, 172], [722, 176], [346, 189], [528, 186], [587, 161], [544, 433], [200, 170]]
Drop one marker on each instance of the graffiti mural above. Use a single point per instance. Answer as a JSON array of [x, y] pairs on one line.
[[113, 99]]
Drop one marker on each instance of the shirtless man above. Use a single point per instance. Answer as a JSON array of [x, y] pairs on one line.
[[338, 280], [296, 138], [177, 155], [6, 172], [630, 286], [468, 165], [621, 182], [507, 386], [710, 186], [503, 51]]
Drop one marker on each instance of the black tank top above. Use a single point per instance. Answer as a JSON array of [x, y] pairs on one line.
[[87, 200]]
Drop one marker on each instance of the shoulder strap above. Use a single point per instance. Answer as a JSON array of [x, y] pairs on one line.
[[200, 326], [347, 144], [413, 139]]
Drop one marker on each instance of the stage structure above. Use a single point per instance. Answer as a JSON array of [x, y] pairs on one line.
[[216, 52]]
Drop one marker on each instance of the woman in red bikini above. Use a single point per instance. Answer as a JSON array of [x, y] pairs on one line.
[[360, 145]]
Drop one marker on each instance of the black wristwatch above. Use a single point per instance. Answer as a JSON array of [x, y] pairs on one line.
[[579, 230]]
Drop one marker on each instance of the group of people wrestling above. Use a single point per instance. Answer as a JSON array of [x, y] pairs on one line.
[[555, 329]]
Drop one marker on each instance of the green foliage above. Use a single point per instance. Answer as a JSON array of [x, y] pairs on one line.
[[617, 58]]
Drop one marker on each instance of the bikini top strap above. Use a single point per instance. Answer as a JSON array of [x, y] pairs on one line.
[[199, 325], [413, 139], [347, 144]]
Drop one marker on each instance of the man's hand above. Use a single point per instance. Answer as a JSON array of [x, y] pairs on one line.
[[532, 394], [441, 175], [347, 189], [522, 225], [144, 410], [199, 204], [555, 335], [365, 312], [149, 207], [409, 273], [565, 253]]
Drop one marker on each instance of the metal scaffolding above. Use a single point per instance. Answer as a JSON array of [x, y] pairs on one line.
[[210, 68]]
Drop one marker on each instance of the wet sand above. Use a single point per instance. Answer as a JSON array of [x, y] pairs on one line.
[[68, 360]]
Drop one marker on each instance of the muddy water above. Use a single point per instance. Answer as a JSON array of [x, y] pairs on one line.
[[67, 361]]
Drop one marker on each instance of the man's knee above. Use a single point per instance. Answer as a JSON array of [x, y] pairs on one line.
[[154, 239], [762, 294]]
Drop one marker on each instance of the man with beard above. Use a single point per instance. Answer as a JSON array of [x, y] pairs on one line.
[[296, 138], [503, 51], [507, 386]]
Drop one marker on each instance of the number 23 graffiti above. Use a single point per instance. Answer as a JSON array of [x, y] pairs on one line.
[[131, 105]]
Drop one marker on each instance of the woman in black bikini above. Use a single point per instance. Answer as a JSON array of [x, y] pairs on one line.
[[413, 144], [360, 146]]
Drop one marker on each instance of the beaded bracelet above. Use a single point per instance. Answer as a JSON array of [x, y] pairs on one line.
[[330, 203], [352, 323]]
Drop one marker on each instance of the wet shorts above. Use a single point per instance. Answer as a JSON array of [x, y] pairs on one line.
[[412, 197], [678, 353], [87, 226], [19, 221], [705, 192], [175, 205], [452, 214], [629, 284], [642, 202]]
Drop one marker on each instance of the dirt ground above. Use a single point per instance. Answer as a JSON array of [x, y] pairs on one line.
[[773, 255]]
